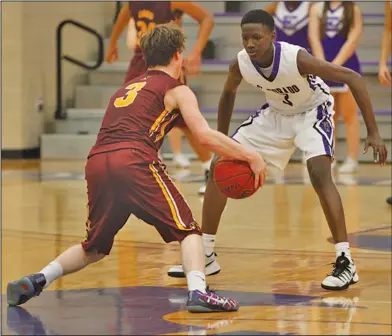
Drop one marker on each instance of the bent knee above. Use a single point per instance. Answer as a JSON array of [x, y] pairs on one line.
[[95, 252], [186, 234], [94, 256], [319, 169]]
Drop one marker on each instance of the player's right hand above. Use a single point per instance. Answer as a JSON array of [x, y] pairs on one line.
[[112, 54], [384, 76], [259, 168]]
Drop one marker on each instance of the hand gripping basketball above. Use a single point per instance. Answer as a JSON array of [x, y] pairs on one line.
[[238, 179]]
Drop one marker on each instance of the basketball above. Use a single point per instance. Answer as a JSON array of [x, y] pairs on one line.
[[234, 178]]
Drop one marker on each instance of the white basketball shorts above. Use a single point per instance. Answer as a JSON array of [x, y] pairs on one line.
[[276, 136]]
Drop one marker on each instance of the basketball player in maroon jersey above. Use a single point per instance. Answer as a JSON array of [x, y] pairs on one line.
[[148, 14], [125, 176]]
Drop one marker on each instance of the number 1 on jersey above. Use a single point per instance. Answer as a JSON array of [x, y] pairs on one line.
[[130, 96], [286, 100]]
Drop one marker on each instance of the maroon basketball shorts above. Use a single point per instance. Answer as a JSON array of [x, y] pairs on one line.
[[123, 182]]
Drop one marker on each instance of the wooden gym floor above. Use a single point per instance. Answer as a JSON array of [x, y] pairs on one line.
[[274, 249]]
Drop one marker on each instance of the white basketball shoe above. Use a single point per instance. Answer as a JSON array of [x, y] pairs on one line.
[[212, 267], [343, 275]]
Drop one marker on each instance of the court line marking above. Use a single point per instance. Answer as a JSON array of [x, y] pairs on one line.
[[287, 320], [227, 250], [373, 229]]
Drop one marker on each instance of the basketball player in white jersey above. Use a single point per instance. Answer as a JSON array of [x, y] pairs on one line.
[[298, 113]]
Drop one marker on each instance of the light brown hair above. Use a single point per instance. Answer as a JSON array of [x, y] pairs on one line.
[[160, 44], [348, 18]]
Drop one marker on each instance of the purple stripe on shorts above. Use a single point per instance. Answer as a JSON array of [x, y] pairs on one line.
[[250, 119], [324, 127]]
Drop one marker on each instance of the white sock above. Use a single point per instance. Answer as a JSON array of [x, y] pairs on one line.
[[206, 165], [196, 281], [209, 243], [52, 272], [343, 247]]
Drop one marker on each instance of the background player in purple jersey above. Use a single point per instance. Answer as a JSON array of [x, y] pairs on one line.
[[335, 29], [125, 176]]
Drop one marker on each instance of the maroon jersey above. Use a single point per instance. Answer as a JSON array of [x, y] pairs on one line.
[[148, 14], [136, 116]]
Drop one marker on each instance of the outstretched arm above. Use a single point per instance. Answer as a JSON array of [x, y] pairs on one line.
[[185, 100], [227, 99], [307, 64], [206, 21]]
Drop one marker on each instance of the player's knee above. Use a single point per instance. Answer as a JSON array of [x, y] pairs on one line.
[[320, 171], [184, 234], [94, 256]]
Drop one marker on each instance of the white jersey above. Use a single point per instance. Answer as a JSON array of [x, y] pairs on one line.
[[286, 90]]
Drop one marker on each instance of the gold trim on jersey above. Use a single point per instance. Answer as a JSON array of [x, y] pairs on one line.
[[169, 198], [158, 121], [163, 127]]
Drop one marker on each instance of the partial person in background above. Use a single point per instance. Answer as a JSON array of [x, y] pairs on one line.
[[291, 21], [146, 15], [384, 75], [335, 29]]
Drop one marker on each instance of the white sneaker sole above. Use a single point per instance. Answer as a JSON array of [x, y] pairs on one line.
[[353, 281]]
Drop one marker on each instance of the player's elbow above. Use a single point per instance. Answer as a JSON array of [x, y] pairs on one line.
[[352, 77], [208, 20]]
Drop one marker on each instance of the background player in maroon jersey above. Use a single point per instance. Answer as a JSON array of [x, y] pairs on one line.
[[146, 15], [125, 176]]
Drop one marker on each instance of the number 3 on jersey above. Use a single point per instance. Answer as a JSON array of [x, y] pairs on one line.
[[130, 96]]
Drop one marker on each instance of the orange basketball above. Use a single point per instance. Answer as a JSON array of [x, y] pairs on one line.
[[234, 178]]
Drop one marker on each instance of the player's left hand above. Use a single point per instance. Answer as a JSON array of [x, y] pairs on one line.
[[380, 152], [192, 63]]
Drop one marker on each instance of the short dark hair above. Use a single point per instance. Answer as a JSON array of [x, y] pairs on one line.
[[161, 43], [259, 16]]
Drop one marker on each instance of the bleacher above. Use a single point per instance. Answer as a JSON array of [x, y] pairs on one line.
[[74, 136]]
